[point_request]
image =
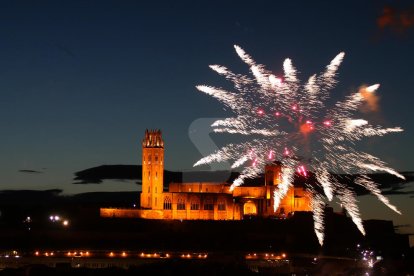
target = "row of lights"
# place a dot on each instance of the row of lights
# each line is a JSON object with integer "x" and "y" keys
{"x": 13, "y": 253}
{"x": 46, "y": 254}
{"x": 122, "y": 254}
{"x": 190, "y": 256}
{"x": 265, "y": 256}
{"x": 56, "y": 218}
{"x": 78, "y": 254}
{"x": 155, "y": 255}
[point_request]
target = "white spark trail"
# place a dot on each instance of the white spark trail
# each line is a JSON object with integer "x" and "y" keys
{"x": 291, "y": 122}
{"x": 348, "y": 200}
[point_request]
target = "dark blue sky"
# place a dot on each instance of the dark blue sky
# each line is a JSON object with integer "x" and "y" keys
{"x": 80, "y": 81}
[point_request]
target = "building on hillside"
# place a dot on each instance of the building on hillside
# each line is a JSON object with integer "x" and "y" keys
{"x": 206, "y": 200}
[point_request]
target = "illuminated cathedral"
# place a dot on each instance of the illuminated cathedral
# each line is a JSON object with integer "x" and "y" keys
{"x": 206, "y": 200}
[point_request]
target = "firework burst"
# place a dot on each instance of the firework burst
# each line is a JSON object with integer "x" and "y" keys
{"x": 282, "y": 119}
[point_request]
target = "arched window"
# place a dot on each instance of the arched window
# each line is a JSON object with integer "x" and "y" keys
{"x": 167, "y": 203}
{"x": 181, "y": 204}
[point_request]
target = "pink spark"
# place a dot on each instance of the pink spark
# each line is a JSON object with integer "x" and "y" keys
{"x": 270, "y": 155}
{"x": 254, "y": 162}
{"x": 327, "y": 123}
{"x": 260, "y": 111}
{"x": 302, "y": 171}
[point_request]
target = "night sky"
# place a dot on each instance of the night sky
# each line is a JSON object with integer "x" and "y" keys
{"x": 80, "y": 81}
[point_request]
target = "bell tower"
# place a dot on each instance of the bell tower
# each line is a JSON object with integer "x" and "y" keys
{"x": 273, "y": 177}
{"x": 273, "y": 173}
{"x": 152, "y": 170}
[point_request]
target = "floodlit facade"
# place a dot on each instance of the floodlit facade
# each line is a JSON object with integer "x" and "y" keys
{"x": 206, "y": 200}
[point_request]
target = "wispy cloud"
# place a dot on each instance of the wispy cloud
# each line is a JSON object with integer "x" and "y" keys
{"x": 29, "y": 171}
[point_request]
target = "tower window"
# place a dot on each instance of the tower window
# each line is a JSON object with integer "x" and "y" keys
{"x": 149, "y": 189}
{"x": 180, "y": 204}
{"x": 167, "y": 203}
{"x": 221, "y": 206}
{"x": 208, "y": 205}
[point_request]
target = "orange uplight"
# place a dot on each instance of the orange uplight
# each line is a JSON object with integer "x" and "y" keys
{"x": 111, "y": 254}
{"x": 37, "y": 253}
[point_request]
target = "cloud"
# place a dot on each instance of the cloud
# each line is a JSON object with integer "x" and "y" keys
{"x": 397, "y": 19}
{"x": 29, "y": 171}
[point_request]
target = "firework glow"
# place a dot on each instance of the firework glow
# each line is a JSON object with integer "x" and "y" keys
{"x": 282, "y": 119}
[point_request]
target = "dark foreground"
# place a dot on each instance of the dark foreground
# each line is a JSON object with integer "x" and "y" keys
{"x": 227, "y": 243}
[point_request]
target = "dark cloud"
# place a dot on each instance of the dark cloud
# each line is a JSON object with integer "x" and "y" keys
{"x": 98, "y": 174}
{"x": 402, "y": 225}
{"x": 30, "y": 171}
{"x": 398, "y": 192}
{"x": 389, "y": 184}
